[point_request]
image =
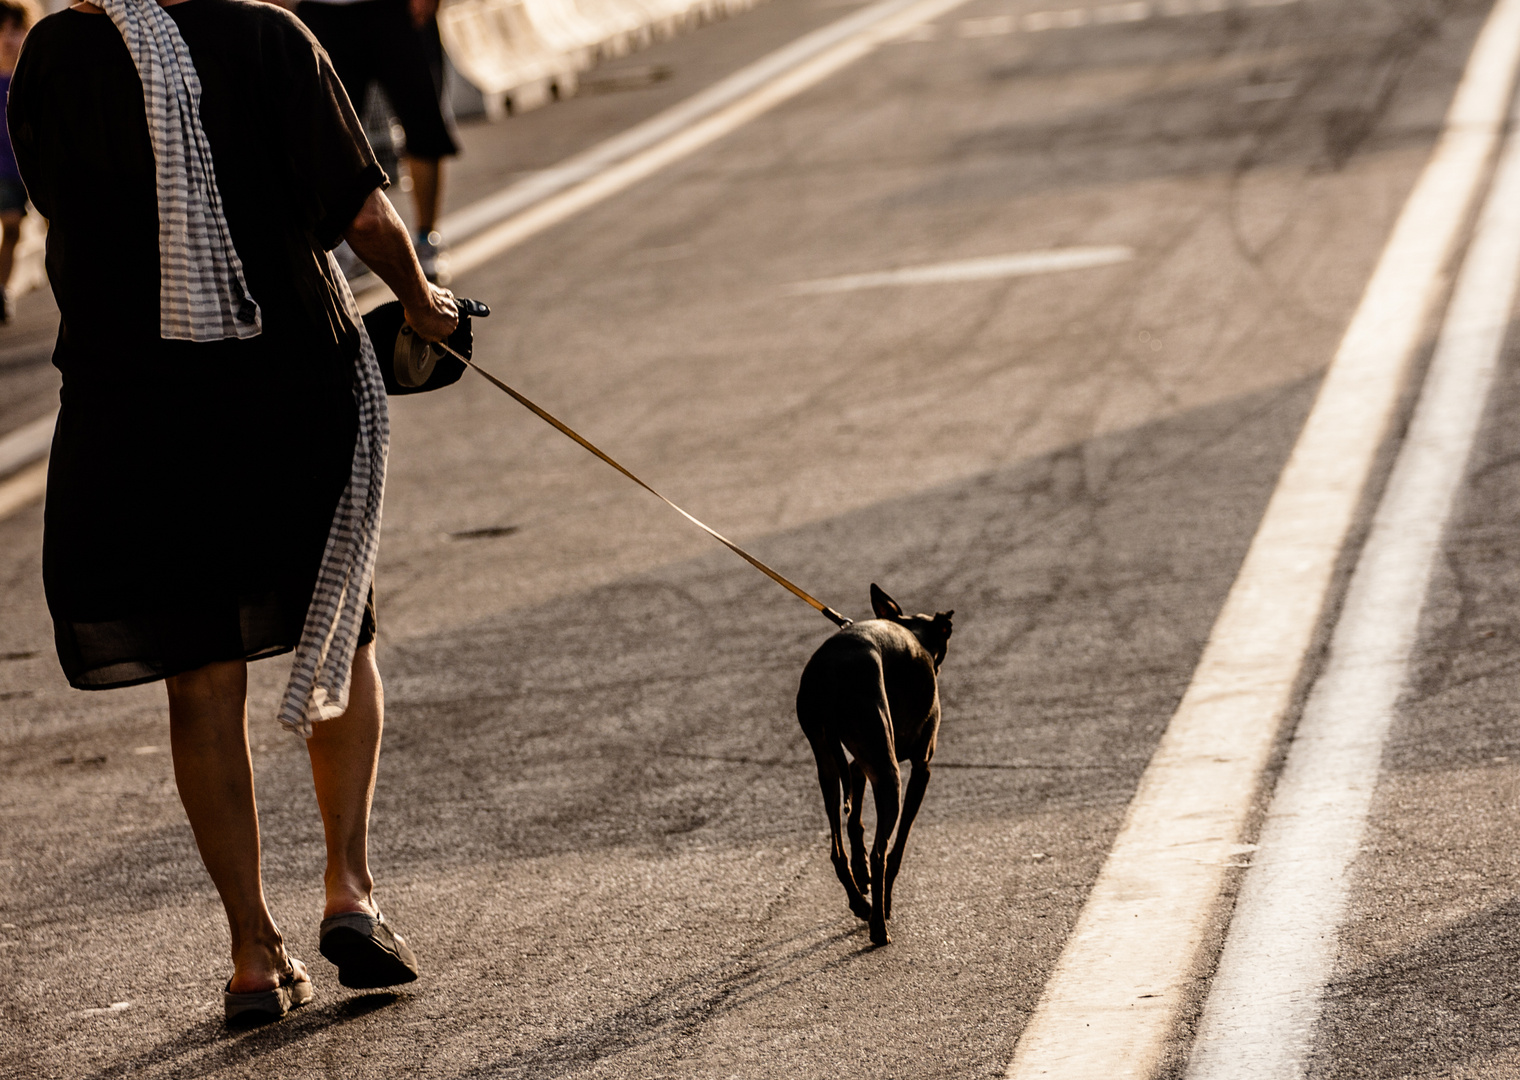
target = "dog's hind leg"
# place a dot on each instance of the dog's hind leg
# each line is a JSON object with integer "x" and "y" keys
{"x": 856, "y": 829}
{"x": 886, "y": 789}
{"x": 831, "y": 782}
{"x": 918, "y": 783}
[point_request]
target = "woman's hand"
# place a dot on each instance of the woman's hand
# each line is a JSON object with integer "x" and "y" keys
{"x": 378, "y": 236}
{"x": 436, "y": 317}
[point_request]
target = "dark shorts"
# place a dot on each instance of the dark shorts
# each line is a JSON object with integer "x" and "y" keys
{"x": 375, "y": 41}
{"x": 12, "y": 196}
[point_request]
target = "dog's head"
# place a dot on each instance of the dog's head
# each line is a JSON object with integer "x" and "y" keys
{"x": 932, "y": 631}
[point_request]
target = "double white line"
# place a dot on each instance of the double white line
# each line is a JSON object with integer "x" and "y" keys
{"x": 1117, "y": 991}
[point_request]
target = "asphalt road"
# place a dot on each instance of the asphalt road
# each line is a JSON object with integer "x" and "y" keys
{"x": 597, "y": 819}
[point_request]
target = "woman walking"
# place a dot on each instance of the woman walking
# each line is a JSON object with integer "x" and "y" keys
{"x": 215, "y": 482}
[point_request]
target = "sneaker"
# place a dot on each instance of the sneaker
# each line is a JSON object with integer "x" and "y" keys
{"x": 433, "y": 255}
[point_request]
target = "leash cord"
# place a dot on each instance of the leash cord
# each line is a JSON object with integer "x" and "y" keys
{"x": 564, "y": 429}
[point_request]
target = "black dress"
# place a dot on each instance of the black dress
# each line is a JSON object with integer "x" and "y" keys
{"x": 191, "y": 486}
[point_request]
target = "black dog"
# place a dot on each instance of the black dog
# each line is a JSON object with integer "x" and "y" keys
{"x": 872, "y": 689}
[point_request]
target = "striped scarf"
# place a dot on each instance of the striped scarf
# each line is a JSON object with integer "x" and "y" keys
{"x": 318, "y": 687}
{"x": 201, "y": 292}
{"x": 203, "y": 297}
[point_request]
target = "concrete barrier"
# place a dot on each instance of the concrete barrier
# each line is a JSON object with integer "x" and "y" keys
{"x": 524, "y": 53}
{"x": 497, "y": 48}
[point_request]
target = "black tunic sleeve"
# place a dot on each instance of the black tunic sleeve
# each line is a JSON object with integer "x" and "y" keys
{"x": 23, "y": 129}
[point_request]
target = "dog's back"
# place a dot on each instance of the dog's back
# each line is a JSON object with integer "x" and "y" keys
{"x": 870, "y": 687}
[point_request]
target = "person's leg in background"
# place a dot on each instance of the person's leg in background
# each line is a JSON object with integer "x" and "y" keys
{"x": 427, "y": 192}
{"x": 10, "y": 235}
{"x": 409, "y": 65}
{"x": 427, "y": 173}
{"x": 347, "y": 32}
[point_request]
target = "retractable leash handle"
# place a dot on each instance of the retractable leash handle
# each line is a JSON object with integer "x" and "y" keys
{"x": 564, "y": 429}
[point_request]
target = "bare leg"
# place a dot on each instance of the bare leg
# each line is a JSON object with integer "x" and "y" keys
{"x": 345, "y": 754}
{"x": 427, "y": 188}
{"x": 10, "y": 233}
{"x": 208, "y": 732}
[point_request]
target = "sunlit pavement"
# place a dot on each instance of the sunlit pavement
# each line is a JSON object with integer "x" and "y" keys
{"x": 598, "y": 822}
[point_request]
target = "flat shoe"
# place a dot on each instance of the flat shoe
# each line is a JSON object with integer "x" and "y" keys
{"x": 262, "y": 1006}
{"x": 369, "y": 954}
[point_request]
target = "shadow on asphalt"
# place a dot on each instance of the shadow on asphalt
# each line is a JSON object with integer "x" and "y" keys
{"x": 688, "y": 1005}
{"x": 1089, "y": 579}
{"x": 1448, "y": 1001}
{"x": 620, "y": 718}
{"x": 221, "y": 1046}
{"x": 651, "y": 721}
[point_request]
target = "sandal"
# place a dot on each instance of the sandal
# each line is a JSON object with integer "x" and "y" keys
{"x": 369, "y": 954}
{"x": 262, "y": 1006}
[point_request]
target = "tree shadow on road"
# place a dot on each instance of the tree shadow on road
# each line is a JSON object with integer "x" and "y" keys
{"x": 689, "y": 1005}
{"x": 1450, "y": 1000}
{"x": 210, "y": 1046}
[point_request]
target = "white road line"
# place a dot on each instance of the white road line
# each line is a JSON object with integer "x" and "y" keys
{"x": 1135, "y": 11}
{"x": 681, "y": 131}
{"x": 1259, "y": 1019}
{"x": 517, "y": 197}
{"x": 985, "y": 269}
{"x": 27, "y": 443}
{"x": 1071, "y": 18}
{"x": 990, "y": 26}
{"x": 1114, "y": 996}
{"x": 1036, "y": 21}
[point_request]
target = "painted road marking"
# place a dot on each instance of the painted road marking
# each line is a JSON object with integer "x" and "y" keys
{"x": 1115, "y": 994}
{"x": 1072, "y": 18}
{"x": 991, "y": 26}
{"x": 548, "y": 198}
{"x": 985, "y": 269}
{"x": 537, "y": 187}
{"x": 1284, "y": 931}
{"x": 1069, "y": 19}
{"x": 1136, "y": 11}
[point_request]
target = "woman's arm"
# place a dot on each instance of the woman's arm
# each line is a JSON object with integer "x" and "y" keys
{"x": 378, "y": 236}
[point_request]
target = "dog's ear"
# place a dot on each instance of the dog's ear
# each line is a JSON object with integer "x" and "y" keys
{"x": 942, "y": 621}
{"x": 884, "y": 606}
